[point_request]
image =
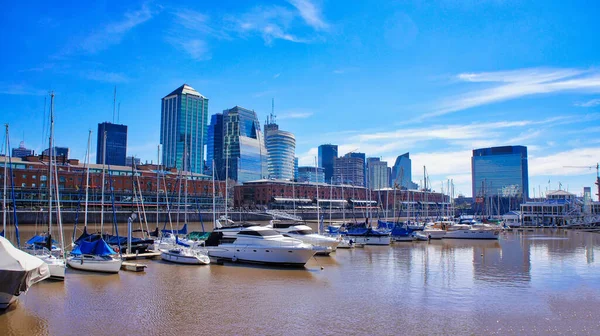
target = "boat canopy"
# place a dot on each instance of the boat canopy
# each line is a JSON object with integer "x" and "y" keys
{"x": 39, "y": 239}
{"x": 181, "y": 231}
{"x": 19, "y": 270}
{"x": 97, "y": 247}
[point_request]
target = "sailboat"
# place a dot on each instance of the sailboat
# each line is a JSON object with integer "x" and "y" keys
{"x": 92, "y": 253}
{"x": 50, "y": 253}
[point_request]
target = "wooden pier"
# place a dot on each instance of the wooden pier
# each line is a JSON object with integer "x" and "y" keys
{"x": 145, "y": 255}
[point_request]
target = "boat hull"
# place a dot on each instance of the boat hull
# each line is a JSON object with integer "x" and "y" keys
{"x": 285, "y": 256}
{"x": 6, "y": 300}
{"x": 402, "y": 238}
{"x": 434, "y": 234}
{"x": 473, "y": 234}
{"x": 93, "y": 264}
{"x": 183, "y": 259}
{"x": 57, "y": 266}
{"x": 371, "y": 240}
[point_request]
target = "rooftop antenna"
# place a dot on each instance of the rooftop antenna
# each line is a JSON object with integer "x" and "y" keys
{"x": 114, "y": 103}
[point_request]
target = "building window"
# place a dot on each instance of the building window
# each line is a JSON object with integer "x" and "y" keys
{"x": 24, "y": 176}
{"x": 43, "y": 178}
{"x": 23, "y": 185}
{"x": 34, "y": 177}
{"x": 33, "y": 185}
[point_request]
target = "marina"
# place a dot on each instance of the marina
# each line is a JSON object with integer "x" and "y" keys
{"x": 539, "y": 282}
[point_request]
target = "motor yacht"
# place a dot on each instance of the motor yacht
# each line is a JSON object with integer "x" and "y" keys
{"x": 305, "y": 234}
{"x": 256, "y": 244}
{"x": 467, "y": 231}
{"x": 185, "y": 255}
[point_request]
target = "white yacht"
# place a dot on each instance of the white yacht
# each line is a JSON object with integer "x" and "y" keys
{"x": 18, "y": 271}
{"x": 256, "y": 244}
{"x": 435, "y": 231}
{"x": 466, "y": 231}
{"x": 185, "y": 255}
{"x": 94, "y": 256}
{"x": 305, "y": 234}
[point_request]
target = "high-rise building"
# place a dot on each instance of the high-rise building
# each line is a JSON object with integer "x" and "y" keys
{"x": 349, "y": 170}
{"x": 22, "y": 152}
{"x": 58, "y": 152}
{"x": 295, "y": 168}
{"x": 116, "y": 144}
{"x": 281, "y": 148}
{"x": 131, "y": 160}
{"x": 402, "y": 173}
{"x": 500, "y": 171}
{"x": 378, "y": 176}
{"x": 362, "y": 156}
{"x": 214, "y": 147}
{"x": 311, "y": 174}
{"x": 245, "y": 153}
{"x": 183, "y": 128}
{"x": 327, "y": 155}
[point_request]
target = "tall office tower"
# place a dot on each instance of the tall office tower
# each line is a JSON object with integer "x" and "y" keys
{"x": 214, "y": 147}
{"x": 281, "y": 148}
{"x": 362, "y": 156}
{"x": 245, "y": 153}
{"x": 116, "y": 144}
{"x": 402, "y": 173}
{"x": 183, "y": 128}
{"x": 327, "y": 155}
{"x": 349, "y": 170}
{"x": 500, "y": 171}
{"x": 311, "y": 174}
{"x": 378, "y": 177}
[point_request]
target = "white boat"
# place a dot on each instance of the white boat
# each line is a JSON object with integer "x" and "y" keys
{"x": 420, "y": 236}
{"x": 18, "y": 271}
{"x": 256, "y": 244}
{"x": 369, "y": 236}
{"x": 57, "y": 266}
{"x": 185, "y": 255}
{"x": 95, "y": 263}
{"x": 466, "y": 231}
{"x": 435, "y": 231}
{"x": 94, "y": 256}
{"x": 305, "y": 234}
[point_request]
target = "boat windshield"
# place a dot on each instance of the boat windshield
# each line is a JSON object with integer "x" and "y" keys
{"x": 264, "y": 233}
{"x": 301, "y": 232}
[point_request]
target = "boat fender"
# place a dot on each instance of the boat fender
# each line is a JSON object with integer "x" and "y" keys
{"x": 234, "y": 258}
{"x": 82, "y": 260}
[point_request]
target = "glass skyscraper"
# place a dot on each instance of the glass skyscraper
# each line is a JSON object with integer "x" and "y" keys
{"x": 402, "y": 173}
{"x": 378, "y": 176}
{"x": 245, "y": 153}
{"x": 116, "y": 144}
{"x": 327, "y": 155}
{"x": 500, "y": 171}
{"x": 281, "y": 148}
{"x": 311, "y": 174}
{"x": 214, "y": 146}
{"x": 183, "y": 126}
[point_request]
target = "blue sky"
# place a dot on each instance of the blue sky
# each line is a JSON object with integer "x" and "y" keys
{"x": 436, "y": 78}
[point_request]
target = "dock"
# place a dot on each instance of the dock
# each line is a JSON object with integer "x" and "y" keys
{"x": 145, "y": 255}
{"x": 132, "y": 267}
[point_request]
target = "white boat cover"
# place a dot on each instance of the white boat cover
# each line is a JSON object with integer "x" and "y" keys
{"x": 19, "y": 270}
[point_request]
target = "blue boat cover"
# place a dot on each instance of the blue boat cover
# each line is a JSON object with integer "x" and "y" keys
{"x": 366, "y": 232}
{"x": 97, "y": 247}
{"x": 39, "y": 239}
{"x": 181, "y": 231}
{"x": 401, "y": 230}
{"x": 2, "y": 233}
{"x": 180, "y": 242}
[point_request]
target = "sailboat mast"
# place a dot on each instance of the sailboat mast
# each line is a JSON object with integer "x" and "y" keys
{"x": 317, "y": 182}
{"x": 213, "y": 194}
{"x": 50, "y": 177}
{"x": 226, "y": 177}
{"x": 102, "y": 193}
{"x": 4, "y": 182}
{"x": 157, "y": 181}
{"x": 87, "y": 179}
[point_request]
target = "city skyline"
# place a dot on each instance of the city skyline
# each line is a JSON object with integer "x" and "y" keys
{"x": 436, "y": 93}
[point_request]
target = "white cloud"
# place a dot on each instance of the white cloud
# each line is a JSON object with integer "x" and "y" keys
{"x": 114, "y": 32}
{"x": 519, "y": 83}
{"x": 102, "y": 76}
{"x": 310, "y": 13}
{"x": 20, "y": 89}
{"x": 589, "y": 103}
{"x": 556, "y": 164}
{"x": 276, "y": 75}
{"x": 295, "y": 115}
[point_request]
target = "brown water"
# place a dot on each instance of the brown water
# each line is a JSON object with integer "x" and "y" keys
{"x": 534, "y": 283}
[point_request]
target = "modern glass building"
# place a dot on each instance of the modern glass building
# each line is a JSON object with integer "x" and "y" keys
{"x": 281, "y": 148}
{"x": 327, "y": 155}
{"x": 22, "y": 151}
{"x": 500, "y": 171}
{"x": 61, "y": 152}
{"x": 296, "y": 168}
{"x": 377, "y": 171}
{"x": 402, "y": 173}
{"x": 116, "y": 144}
{"x": 214, "y": 147}
{"x": 245, "y": 153}
{"x": 183, "y": 128}
{"x": 311, "y": 174}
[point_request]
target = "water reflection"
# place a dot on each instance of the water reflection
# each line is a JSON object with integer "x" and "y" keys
{"x": 526, "y": 283}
